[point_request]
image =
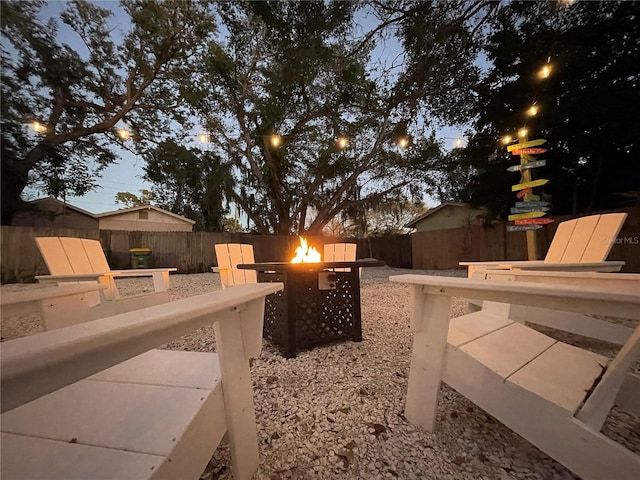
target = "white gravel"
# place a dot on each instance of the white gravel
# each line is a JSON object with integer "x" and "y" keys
{"x": 336, "y": 411}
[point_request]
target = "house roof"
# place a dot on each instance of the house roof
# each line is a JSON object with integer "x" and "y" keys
{"x": 414, "y": 222}
{"x": 62, "y": 204}
{"x": 144, "y": 207}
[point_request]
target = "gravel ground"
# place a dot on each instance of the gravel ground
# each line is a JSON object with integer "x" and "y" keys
{"x": 336, "y": 411}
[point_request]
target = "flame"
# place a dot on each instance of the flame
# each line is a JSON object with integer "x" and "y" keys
{"x": 306, "y": 254}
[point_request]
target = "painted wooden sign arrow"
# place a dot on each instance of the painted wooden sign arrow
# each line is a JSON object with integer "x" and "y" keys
{"x": 531, "y": 184}
{"x": 530, "y": 143}
{"x": 534, "y": 221}
{"x": 520, "y": 216}
{"x": 526, "y": 166}
{"x": 529, "y": 209}
{"x": 533, "y": 204}
{"x": 521, "y": 228}
{"x": 529, "y": 151}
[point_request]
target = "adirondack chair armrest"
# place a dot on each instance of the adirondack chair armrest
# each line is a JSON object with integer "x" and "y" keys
{"x": 140, "y": 272}
{"x": 558, "y": 297}
{"x": 609, "y": 266}
{"x": 73, "y": 277}
{"x": 39, "y": 364}
{"x": 160, "y": 276}
{"x": 31, "y": 301}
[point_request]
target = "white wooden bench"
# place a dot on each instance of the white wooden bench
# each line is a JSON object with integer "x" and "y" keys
{"x": 554, "y": 395}
{"x": 94, "y": 400}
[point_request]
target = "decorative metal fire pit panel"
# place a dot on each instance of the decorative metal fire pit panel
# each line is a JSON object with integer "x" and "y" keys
{"x": 305, "y": 314}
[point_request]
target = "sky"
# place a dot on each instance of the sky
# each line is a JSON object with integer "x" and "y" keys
{"x": 126, "y": 175}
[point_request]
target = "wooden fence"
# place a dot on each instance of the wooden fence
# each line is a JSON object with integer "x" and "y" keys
{"x": 190, "y": 252}
{"x": 193, "y": 252}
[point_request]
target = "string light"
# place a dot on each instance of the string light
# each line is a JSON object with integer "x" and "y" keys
{"x": 343, "y": 142}
{"x": 276, "y": 140}
{"x": 124, "y": 134}
{"x": 507, "y": 139}
{"x": 523, "y": 132}
{"x": 545, "y": 71}
{"x": 532, "y": 111}
{"x": 458, "y": 143}
{"x": 203, "y": 137}
{"x": 38, "y": 127}
{"x": 403, "y": 142}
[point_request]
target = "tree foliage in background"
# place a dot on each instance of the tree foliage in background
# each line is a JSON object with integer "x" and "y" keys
{"x": 588, "y": 106}
{"x": 190, "y": 182}
{"x": 298, "y": 69}
{"x": 130, "y": 200}
{"x": 81, "y": 98}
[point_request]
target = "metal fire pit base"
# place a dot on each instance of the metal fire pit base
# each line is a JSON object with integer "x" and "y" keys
{"x": 316, "y": 307}
{"x": 303, "y": 316}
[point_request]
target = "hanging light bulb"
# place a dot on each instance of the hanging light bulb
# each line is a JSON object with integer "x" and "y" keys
{"x": 545, "y": 71}
{"x": 276, "y": 140}
{"x": 532, "y": 111}
{"x": 403, "y": 142}
{"x": 522, "y": 133}
{"x": 124, "y": 134}
{"x": 507, "y": 139}
{"x": 38, "y": 127}
{"x": 458, "y": 143}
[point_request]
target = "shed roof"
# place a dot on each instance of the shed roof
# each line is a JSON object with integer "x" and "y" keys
{"x": 145, "y": 207}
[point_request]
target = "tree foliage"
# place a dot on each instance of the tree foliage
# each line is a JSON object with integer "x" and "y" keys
{"x": 79, "y": 98}
{"x": 587, "y": 105}
{"x": 130, "y": 200}
{"x": 190, "y": 182}
{"x": 298, "y": 69}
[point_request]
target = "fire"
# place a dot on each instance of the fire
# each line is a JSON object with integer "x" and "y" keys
{"x": 306, "y": 254}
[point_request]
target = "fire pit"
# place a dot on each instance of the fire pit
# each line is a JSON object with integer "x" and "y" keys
{"x": 320, "y": 302}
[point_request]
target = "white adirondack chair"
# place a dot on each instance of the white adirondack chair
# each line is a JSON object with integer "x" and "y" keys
{"x": 229, "y": 255}
{"x": 94, "y": 401}
{"x": 340, "y": 252}
{"x": 581, "y": 244}
{"x": 79, "y": 259}
{"x": 554, "y": 395}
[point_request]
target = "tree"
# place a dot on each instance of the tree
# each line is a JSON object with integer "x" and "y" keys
{"x": 295, "y": 69}
{"x": 130, "y": 200}
{"x": 76, "y": 102}
{"x": 190, "y": 182}
{"x": 587, "y": 105}
{"x": 391, "y": 218}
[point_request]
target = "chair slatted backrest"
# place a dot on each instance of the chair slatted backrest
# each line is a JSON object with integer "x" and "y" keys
{"x": 340, "y": 252}
{"x": 54, "y": 256}
{"x": 603, "y": 237}
{"x": 586, "y": 239}
{"x": 560, "y": 241}
{"x": 580, "y": 239}
{"x": 77, "y": 256}
{"x": 95, "y": 254}
{"x": 231, "y": 254}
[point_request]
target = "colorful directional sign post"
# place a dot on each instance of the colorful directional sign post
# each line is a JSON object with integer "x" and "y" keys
{"x": 527, "y": 213}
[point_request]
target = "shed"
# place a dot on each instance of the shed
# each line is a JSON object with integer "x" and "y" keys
{"x": 145, "y": 218}
{"x": 448, "y": 215}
